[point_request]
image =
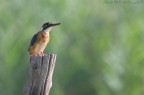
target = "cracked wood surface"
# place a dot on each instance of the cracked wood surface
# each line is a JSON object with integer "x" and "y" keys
{"x": 39, "y": 80}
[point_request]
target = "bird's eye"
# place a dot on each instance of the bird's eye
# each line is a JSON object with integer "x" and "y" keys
{"x": 45, "y": 25}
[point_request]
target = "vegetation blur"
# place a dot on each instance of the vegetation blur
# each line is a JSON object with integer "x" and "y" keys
{"x": 99, "y": 45}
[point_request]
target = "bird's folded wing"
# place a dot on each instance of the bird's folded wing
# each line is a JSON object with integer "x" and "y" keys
{"x": 33, "y": 40}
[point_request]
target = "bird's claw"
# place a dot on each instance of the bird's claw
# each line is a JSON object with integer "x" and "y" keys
{"x": 39, "y": 54}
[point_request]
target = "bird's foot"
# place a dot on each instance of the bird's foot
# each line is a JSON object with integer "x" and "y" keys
{"x": 38, "y": 54}
{"x": 42, "y": 54}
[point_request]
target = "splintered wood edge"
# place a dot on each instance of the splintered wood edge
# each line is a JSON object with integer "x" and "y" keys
{"x": 48, "y": 84}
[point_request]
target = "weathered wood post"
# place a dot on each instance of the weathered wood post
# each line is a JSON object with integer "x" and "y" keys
{"x": 40, "y": 75}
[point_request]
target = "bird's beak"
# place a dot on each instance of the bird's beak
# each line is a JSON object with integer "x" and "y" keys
{"x": 54, "y": 24}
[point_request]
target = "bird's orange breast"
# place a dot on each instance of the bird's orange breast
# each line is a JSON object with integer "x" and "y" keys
{"x": 40, "y": 44}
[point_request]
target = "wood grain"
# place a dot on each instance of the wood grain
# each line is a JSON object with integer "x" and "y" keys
{"x": 39, "y": 80}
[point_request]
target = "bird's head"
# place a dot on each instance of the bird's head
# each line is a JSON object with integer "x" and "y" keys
{"x": 48, "y": 26}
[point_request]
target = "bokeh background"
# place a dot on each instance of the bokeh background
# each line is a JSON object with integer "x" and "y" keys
{"x": 99, "y": 45}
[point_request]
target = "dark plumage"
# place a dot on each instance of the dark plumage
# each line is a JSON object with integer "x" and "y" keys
{"x": 46, "y": 25}
{"x": 33, "y": 40}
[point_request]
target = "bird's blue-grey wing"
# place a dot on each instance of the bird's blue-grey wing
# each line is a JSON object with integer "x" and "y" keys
{"x": 33, "y": 40}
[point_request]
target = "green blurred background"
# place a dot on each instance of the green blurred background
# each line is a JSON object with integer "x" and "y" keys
{"x": 99, "y": 46}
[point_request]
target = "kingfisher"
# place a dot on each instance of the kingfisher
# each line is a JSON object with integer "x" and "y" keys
{"x": 40, "y": 40}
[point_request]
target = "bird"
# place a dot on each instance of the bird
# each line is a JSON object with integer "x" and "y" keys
{"x": 40, "y": 40}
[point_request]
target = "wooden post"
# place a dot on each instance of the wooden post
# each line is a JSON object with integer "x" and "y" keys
{"x": 40, "y": 75}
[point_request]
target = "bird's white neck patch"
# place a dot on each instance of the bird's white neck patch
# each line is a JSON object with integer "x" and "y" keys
{"x": 48, "y": 29}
